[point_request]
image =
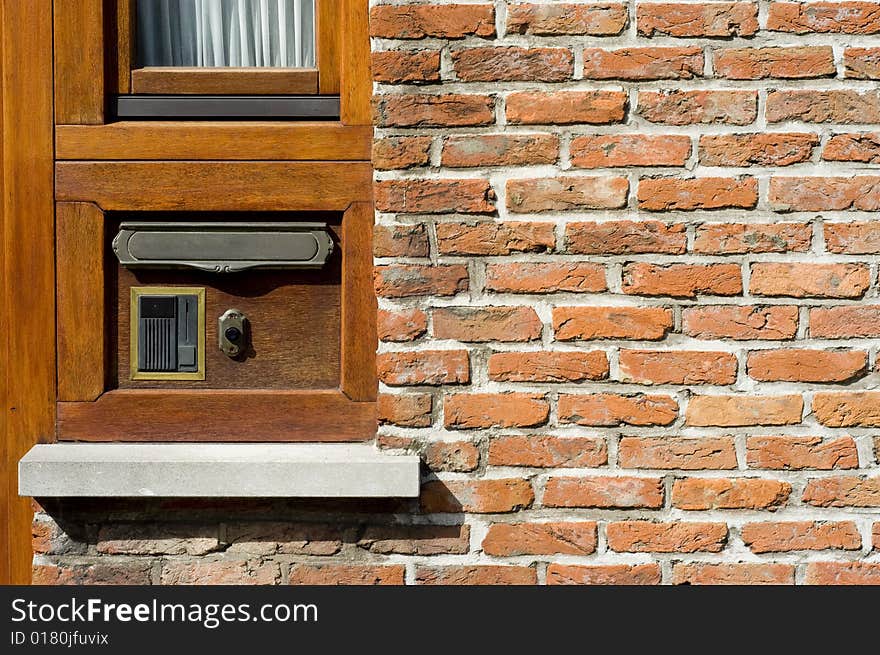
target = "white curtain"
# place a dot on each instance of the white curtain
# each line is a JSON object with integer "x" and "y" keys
{"x": 278, "y": 33}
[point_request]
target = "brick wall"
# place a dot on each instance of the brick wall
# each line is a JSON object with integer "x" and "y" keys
{"x": 628, "y": 303}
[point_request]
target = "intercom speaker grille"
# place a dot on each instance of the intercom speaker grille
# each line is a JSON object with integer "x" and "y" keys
{"x": 159, "y": 344}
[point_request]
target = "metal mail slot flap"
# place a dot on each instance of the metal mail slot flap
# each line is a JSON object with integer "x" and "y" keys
{"x": 222, "y": 247}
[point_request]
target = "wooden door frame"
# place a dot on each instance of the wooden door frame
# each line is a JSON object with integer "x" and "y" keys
{"x": 27, "y": 273}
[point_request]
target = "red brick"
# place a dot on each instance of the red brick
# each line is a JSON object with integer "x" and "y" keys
{"x": 756, "y": 149}
{"x": 452, "y": 456}
{"x": 614, "y": 574}
{"x": 478, "y": 496}
{"x": 404, "y": 280}
{"x": 607, "y": 19}
{"x": 845, "y": 322}
{"x": 511, "y": 64}
{"x": 807, "y": 365}
{"x": 625, "y": 237}
{"x": 446, "y": 21}
{"x": 849, "y": 409}
{"x": 875, "y": 536}
{"x": 673, "y": 194}
{"x": 219, "y": 572}
{"x": 565, "y": 107}
{"x": 500, "y": 150}
{"x": 403, "y": 325}
{"x": 606, "y": 492}
{"x": 798, "y": 453}
{"x": 429, "y": 367}
{"x": 566, "y": 193}
{"x": 406, "y": 66}
{"x": 476, "y": 575}
{"x": 400, "y": 240}
{"x": 843, "y": 573}
{"x": 801, "y": 535}
{"x": 416, "y": 539}
{"x": 736, "y": 411}
{"x": 695, "y": 107}
{"x": 863, "y": 147}
{"x": 676, "y": 453}
{"x": 862, "y": 63}
{"x": 680, "y": 537}
{"x": 725, "y": 493}
{"x": 608, "y": 409}
{"x": 345, "y": 574}
{"x": 681, "y": 63}
{"x": 843, "y": 491}
{"x": 740, "y": 322}
{"x": 544, "y": 366}
{"x": 103, "y": 572}
{"x": 610, "y": 150}
{"x": 482, "y": 324}
{"x": 682, "y": 280}
{"x": 265, "y": 538}
{"x": 742, "y": 238}
{"x": 852, "y": 238}
{"x": 811, "y": 194}
{"x": 739, "y": 573}
{"x": 423, "y": 110}
{"x": 152, "y": 539}
{"x": 486, "y": 410}
{"x": 677, "y": 367}
{"x": 535, "y": 277}
{"x": 824, "y": 17}
{"x": 493, "y": 238}
{"x": 435, "y": 196}
{"x": 705, "y": 19}
{"x": 786, "y": 63}
{"x": 584, "y": 323}
{"x": 809, "y": 280}
{"x": 510, "y": 539}
{"x": 401, "y": 152}
{"x": 813, "y": 106}
{"x": 548, "y": 452}
{"x": 411, "y": 410}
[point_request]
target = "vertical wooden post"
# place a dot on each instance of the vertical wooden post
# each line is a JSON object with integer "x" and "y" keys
{"x": 27, "y": 339}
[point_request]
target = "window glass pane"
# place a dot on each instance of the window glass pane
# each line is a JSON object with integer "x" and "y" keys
{"x": 278, "y": 33}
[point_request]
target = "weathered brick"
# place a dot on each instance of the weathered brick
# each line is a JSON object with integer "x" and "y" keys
{"x": 807, "y": 365}
{"x": 797, "y": 453}
{"x": 404, "y": 280}
{"x": 847, "y": 409}
{"x": 157, "y": 539}
{"x": 478, "y": 496}
{"x": 760, "y": 149}
{"x": 476, "y": 575}
{"x": 605, "y": 492}
{"x": 682, "y": 280}
{"x": 427, "y": 367}
{"x": 726, "y": 493}
{"x": 673, "y": 194}
{"x": 677, "y": 367}
{"x": 403, "y": 325}
{"x": 445, "y": 21}
{"x": 861, "y": 321}
{"x": 812, "y": 194}
{"x": 786, "y": 63}
{"x": 544, "y": 366}
{"x": 843, "y": 491}
{"x": 400, "y": 240}
{"x": 704, "y": 19}
{"x": 824, "y": 17}
{"x": 695, "y": 107}
{"x": 843, "y": 573}
{"x": 566, "y": 193}
{"x": 676, "y": 453}
{"x": 493, "y": 238}
{"x": 512, "y": 63}
{"x": 482, "y": 324}
{"x": 435, "y": 196}
{"x": 452, "y": 456}
{"x": 742, "y": 238}
{"x": 499, "y": 150}
{"x": 624, "y": 237}
{"x": 548, "y": 452}
{"x": 606, "y": 19}
{"x": 734, "y": 411}
{"x": 609, "y": 574}
{"x": 405, "y": 66}
{"x": 812, "y": 106}
{"x": 410, "y": 410}
{"x": 117, "y": 571}
{"x": 809, "y": 280}
{"x": 423, "y": 110}
{"x": 565, "y": 107}
{"x": 732, "y": 573}
{"x": 401, "y": 152}
{"x": 862, "y": 63}
{"x": 608, "y": 409}
{"x": 773, "y": 537}
{"x": 416, "y": 539}
{"x": 643, "y": 63}
{"x": 862, "y": 147}
{"x": 852, "y": 238}
{"x": 612, "y": 150}
{"x": 219, "y": 572}
{"x": 540, "y": 277}
{"x": 486, "y": 410}
{"x": 265, "y": 538}
{"x": 346, "y": 574}
{"x": 584, "y": 323}
{"x": 680, "y": 537}
{"x": 510, "y": 539}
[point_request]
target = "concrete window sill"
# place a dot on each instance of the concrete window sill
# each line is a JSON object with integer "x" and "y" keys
{"x": 216, "y": 470}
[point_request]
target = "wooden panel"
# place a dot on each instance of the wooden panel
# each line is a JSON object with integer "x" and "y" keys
{"x": 79, "y": 261}
{"x": 359, "y": 338}
{"x": 192, "y": 140}
{"x": 224, "y": 81}
{"x": 327, "y": 22}
{"x": 214, "y": 186}
{"x": 79, "y": 61}
{"x": 28, "y": 261}
{"x": 357, "y": 84}
{"x": 217, "y": 416}
{"x": 125, "y": 44}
